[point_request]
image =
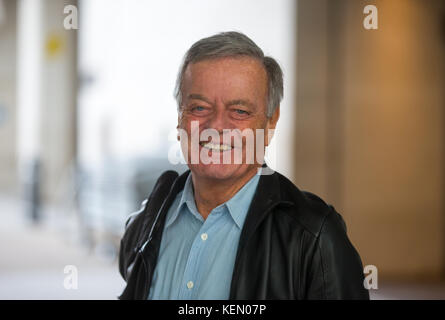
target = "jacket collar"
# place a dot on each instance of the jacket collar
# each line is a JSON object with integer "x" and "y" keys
{"x": 236, "y": 207}
{"x": 268, "y": 194}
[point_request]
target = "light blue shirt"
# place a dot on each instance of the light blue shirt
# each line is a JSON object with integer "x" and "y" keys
{"x": 196, "y": 257}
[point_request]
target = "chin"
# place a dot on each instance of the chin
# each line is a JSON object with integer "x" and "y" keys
{"x": 219, "y": 171}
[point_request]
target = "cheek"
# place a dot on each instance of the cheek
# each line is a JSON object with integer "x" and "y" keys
{"x": 256, "y": 124}
{"x": 184, "y": 122}
{"x": 260, "y": 131}
{"x": 190, "y": 127}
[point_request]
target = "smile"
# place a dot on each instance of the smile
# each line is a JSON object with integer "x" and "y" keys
{"x": 216, "y": 147}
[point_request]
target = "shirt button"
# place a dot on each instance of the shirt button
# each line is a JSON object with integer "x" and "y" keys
{"x": 204, "y": 236}
{"x": 190, "y": 284}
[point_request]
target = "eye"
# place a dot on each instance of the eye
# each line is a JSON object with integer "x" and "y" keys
{"x": 199, "y": 110}
{"x": 240, "y": 114}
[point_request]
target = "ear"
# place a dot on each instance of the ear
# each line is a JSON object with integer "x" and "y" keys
{"x": 271, "y": 124}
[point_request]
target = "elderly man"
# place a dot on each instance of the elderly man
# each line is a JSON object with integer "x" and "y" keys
{"x": 228, "y": 228}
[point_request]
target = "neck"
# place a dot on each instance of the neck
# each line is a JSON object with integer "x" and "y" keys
{"x": 210, "y": 193}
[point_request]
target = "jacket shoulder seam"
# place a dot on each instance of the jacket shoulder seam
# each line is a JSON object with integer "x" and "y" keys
{"x": 314, "y": 233}
{"x": 322, "y": 260}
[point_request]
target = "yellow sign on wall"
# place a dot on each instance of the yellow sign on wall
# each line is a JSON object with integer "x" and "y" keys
{"x": 54, "y": 45}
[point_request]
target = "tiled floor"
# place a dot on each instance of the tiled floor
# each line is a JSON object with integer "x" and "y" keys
{"x": 33, "y": 260}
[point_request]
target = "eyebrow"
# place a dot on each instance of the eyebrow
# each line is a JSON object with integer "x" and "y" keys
{"x": 242, "y": 102}
{"x": 197, "y": 96}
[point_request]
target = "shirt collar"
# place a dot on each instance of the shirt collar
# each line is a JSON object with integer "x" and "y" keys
{"x": 187, "y": 198}
{"x": 237, "y": 206}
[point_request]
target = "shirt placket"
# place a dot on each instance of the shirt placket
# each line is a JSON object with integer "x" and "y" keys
{"x": 196, "y": 261}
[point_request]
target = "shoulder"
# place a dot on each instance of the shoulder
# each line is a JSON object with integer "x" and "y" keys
{"x": 335, "y": 268}
{"x": 161, "y": 187}
{"x": 138, "y": 222}
{"x": 309, "y": 210}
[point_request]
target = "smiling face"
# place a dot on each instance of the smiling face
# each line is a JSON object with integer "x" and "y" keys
{"x": 220, "y": 94}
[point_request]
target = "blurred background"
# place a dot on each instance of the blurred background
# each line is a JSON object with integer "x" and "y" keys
{"x": 88, "y": 118}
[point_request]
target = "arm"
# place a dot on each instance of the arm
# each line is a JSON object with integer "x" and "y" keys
{"x": 336, "y": 271}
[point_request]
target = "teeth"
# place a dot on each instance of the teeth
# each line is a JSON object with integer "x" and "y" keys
{"x": 214, "y": 146}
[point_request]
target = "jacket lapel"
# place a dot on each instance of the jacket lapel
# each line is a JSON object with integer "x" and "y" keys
{"x": 267, "y": 196}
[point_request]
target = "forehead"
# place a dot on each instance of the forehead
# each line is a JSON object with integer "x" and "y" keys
{"x": 232, "y": 76}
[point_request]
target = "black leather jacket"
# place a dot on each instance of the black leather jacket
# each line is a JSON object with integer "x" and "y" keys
{"x": 292, "y": 246}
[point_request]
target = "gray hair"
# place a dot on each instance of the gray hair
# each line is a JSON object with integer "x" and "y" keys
{"x": 230, "y": 44}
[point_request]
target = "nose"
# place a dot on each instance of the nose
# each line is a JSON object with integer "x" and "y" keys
{"x": 218, "y": 120}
